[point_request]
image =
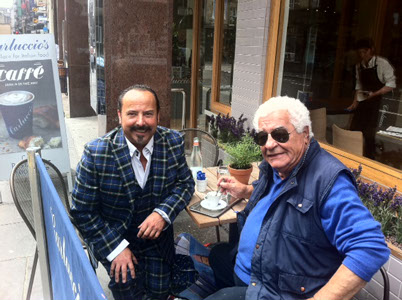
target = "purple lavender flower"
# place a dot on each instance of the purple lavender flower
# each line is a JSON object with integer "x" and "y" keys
{"x": 356, "y": 172}
{"x": 226, "y": 128}
{"x": 396, "y": 203}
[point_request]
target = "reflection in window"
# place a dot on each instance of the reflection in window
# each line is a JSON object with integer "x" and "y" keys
{"x": 96, "y": 60}
{"x": 206, "y": 56}
{"x": 320, "y": 65}
{"x": 227, "y": 61}
{"x": 182, "y": 52}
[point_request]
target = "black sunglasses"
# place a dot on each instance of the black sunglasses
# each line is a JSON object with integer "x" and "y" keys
{"x": 281, "y": 135}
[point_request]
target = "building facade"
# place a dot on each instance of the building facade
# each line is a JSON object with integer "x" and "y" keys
{"x": 228, "y": 56}
{"x": 209, "y": 57}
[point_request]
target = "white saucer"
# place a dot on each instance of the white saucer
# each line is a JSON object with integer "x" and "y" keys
{"x": 207, "y": 205}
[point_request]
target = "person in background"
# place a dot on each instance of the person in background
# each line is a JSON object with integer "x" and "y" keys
{"x": 374, "y": 78}
{"x": 304, "y": 233}
{"x": 130, "y": 186}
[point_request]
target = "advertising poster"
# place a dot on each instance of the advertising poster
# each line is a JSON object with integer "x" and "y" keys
{"x": 31, "y": 112}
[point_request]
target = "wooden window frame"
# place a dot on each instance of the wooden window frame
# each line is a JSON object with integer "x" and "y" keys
{"x": 216, "y": 106}
{"x": 372, "y": 170}
{"x": 195, "y": 62}
{"x": 275, "y": 33}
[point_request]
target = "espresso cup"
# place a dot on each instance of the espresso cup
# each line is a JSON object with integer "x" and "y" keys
{"x": 213, "y": 199}
{"x": 17, "y": 110}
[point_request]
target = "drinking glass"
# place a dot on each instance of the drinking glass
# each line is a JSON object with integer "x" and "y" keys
{"x": 222, "y": 171}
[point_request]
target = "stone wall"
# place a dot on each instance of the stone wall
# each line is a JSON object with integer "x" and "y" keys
{"x": 138, "y": 49}
{"x": 76, "y": 54}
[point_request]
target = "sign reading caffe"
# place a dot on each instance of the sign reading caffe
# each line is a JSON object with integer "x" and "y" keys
{"x": 31, "y": 113}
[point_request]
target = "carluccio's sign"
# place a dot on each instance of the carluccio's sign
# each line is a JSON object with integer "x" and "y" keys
{"x": 31, "y": 112}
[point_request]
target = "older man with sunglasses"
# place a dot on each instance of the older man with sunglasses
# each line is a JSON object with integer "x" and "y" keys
{"x": 304, "y": 232}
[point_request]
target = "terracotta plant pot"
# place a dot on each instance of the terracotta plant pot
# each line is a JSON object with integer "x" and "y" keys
{"x": 242, "y": 175}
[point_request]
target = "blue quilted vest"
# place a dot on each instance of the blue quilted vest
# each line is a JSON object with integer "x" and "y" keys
{"x": 293, "y": 258}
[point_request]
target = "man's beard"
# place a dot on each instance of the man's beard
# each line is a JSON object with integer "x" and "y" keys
{"x": 141, "y": 129}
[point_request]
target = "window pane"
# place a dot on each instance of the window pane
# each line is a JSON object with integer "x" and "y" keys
{"x": 182, "y": 51}
{"x": 323, "y": 69}
{"x": 228, "y": 51}
{"x": 206, "y": 55}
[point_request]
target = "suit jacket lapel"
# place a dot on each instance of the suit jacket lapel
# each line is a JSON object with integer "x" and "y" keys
{"x": 159, "y": 162}
{"x": 123, "y": 161}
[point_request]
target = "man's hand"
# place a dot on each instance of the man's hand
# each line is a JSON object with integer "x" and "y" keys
{"x": 152, "y": 227}
{"x": 125, "y": 260}
{"x": 353, "y": 106}
{"x": 237, "y": 189}
{"x": 355, "y": 103}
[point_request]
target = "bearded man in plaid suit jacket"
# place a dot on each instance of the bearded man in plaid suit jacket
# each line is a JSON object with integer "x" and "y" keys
{"x": 130, "y": 186}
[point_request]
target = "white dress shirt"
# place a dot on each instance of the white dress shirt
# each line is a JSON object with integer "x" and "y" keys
{"x": 140, "y": 174}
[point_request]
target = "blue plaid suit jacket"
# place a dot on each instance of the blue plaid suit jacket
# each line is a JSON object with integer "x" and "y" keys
{"x": 104, "y": 196}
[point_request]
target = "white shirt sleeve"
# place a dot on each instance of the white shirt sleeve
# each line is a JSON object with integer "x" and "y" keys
{"x": 123, "y": 245}
{"x": 386, "y": 72}
{"x": 358, "y": 84}
{"x": 164, "y": 216}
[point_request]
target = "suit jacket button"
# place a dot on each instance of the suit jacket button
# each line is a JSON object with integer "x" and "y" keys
{"x": 299, "y": 205}
{"x": 302, "y": 289}
{"x": 253, "y": 284}
{"x": 257, "y": 246}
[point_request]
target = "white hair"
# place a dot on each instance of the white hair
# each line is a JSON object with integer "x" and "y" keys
{"x": 298, "y": 112}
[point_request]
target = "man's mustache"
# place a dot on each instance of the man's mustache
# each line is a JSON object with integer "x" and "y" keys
{"x": 142, "y": 128}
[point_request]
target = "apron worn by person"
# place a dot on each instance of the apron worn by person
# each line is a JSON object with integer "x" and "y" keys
{"x": 366, "y": 115}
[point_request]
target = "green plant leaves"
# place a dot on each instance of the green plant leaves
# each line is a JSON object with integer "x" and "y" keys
{"x": 243, "y": 153}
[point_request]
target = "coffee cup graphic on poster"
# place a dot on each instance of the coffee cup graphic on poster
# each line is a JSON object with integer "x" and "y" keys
{"x": 17, "y": 110}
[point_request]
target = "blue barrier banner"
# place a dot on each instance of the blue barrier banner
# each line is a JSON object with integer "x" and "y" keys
{"x": 72, "y": 275}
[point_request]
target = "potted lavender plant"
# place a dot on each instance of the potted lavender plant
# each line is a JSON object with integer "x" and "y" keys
{"x": 237, "y": 142}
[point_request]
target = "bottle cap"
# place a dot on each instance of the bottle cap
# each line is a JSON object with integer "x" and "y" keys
{"x": 201, "y": 175}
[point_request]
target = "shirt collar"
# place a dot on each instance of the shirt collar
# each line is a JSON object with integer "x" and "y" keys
{"x": 370, "y": 63}
{"x": 149, "y": 148}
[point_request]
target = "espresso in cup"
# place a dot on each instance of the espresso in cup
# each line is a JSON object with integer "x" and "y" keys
{"x": 17, "y": 108}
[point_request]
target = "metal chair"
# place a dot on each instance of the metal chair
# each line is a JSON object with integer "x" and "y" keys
{"x": 208, "y": 146}
{"x": 21, "y": 193}
{"x": 386, "y": 283}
